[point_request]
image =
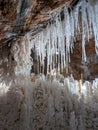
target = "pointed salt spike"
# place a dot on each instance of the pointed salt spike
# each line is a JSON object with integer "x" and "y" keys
{"x": 76, "y": 18}
{"x": 72, "y": 24}
{"x": 85, "y": 29}
{"x": 84, "y": 19}
{"x": 90, "y": 17}
{"x": 67, "y": 33}
{"x": 83, "y": 50}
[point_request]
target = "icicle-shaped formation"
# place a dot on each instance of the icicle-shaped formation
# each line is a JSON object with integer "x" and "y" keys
{"x": 57, "y": 40}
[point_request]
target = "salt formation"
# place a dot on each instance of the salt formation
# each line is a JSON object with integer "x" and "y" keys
{"x": 46, "y": 105}
{"x": 22, "y": 56}
{"x": 56, "y": 42}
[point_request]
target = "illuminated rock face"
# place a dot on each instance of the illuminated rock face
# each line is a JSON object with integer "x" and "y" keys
{"x": 46, "y": 105}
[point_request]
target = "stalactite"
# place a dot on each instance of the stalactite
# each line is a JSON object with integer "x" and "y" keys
{"x": 60, "y": 35}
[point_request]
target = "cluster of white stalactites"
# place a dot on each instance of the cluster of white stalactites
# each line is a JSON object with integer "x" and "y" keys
{"x": 56, "y": 42}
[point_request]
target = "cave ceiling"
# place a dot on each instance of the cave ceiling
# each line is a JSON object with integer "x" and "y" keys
{"x": 38, "y": 12}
